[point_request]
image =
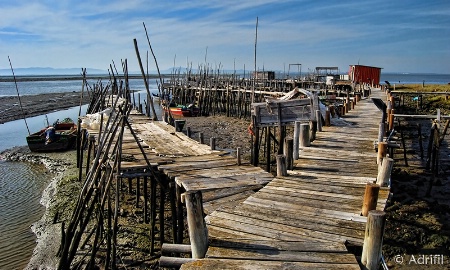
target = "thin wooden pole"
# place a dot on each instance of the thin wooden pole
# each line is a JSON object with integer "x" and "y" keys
{"x": 18, "y": 96}
{"x": 296, "y": 139}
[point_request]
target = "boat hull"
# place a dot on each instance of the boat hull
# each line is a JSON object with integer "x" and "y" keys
{"x": 64, "y": 139}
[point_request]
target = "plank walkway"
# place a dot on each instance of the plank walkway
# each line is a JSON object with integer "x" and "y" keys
{"x": 257, "y": 221}
{"x": 306, "y": 219}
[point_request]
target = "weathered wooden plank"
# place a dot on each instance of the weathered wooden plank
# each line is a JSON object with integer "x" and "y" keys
{"x": 316, "y": 226}
{"x": 300, "y": 217}
{"x": 216, "y": 193}
{"x": 229, "y": 201}
{"x": 280, "y": 255}
{"x": 224, "y": 234}
{"x": 305, "y": 210}
{"x": 263, "y": 264}
{"x": 253, "y": 227}
{"x": 281, "y": 227}
{"x": 278, "y": 245}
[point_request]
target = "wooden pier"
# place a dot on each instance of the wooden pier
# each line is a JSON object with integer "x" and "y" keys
{"x": 310, "y": 218}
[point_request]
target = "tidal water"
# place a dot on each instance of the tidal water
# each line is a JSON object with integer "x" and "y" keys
{"x": 21, "y": 183}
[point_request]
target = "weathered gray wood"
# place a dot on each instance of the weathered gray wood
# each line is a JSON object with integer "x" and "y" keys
{"x": 304, "y": 135}
{"x": 198, "y": 233}
{"x": 281, "y": 165}
{"x": 175, "y": 248}
{"x": 296, "y": 139}
{"x": 263, "y": 264}
{"x": 384, "y": 173}
{"x": 173, "y": 262}
{"x": 267, "y": 114}
{"x": 373, "y": 241}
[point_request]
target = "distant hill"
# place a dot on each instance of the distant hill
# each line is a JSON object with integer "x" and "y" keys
{"x": 49, "y": 71}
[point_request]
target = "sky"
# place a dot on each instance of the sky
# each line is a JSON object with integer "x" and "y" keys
{"x": 398, "y": 36}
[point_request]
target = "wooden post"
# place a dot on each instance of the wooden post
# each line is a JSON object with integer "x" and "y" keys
{"x": 188, "y": 132}
{"x": 381, "y": 132}
{"x": 313, "y": 130}
{"x": 200, "y": 137}
{"x": 391, "y": 119}
{"x": 319, "y": 120}
{"x": 373, "y": 240}
{"x": 296, "y": 140}
{"x": 281, "y": 165}
{"x": 212, "y": 143}
{"x": 384, "y": 171}
{"x": 238, "y": 156}
{"x": 198, "y": 233}
{"x": 304, "y": 141}
{"x": 268, "y": 151}
{"x": 328, "y": 117}
{"x": 288, "y": 152}
{"x": 382, "y": 151}
{"x": 370, "y": 198}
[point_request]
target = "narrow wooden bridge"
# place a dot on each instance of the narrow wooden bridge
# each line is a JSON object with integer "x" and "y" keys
{"x": 309, "y": 219}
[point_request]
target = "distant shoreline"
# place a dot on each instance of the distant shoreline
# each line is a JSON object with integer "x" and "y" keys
{"x": 32, "y": 78}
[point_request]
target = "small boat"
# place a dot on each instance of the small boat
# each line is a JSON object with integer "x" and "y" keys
{"x": 58, "y": 137}
{"x": 182, "y": 110}
{"x": 155, "y": 97}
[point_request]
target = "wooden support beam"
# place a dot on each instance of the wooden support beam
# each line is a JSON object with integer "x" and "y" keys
{"x": 198, "y": 233}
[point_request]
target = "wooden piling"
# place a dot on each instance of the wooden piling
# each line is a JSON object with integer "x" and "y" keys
{"x": 370, "y": 198}
{"x": 200, "y": 138}
{"x": 296, "y": 140}
{"x": 212, "y": 143}
{"x": 319, "y": 120}
{"x": 384, "y": 171}
{"x": 382, "y": 151}
{"x": 281, "y": 165}
{"x": 198, "y": 233}
{"x": 305, "y": 140}
{"x": 328, "y": 117}
{"x": 288, "y": 152}
{"x": 373, "y": 240}
{"x": 239, "y": 156}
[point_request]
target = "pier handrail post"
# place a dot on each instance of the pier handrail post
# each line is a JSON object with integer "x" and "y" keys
{"x": 384, "y": 171}
{"x": 382, "y": 151}
{"x": 198, "y": 233}
{"x": 288, "y": 152}
{"x": 370, "y": 198}
{"x": 238, "y": 156}
{"x": 328, "y": 117}
{"x": 313, "y": 130}
{"x": 305, "y": 140}
{"x": 319, "y": 120}
{"x": 296, "y": 139}
{"x": 212, "y": 143}
{"x": 281, "y": 165}
{"x": 373, "y": 240}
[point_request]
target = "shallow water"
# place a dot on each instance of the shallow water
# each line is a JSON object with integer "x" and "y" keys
{"x": 21, "y": 187}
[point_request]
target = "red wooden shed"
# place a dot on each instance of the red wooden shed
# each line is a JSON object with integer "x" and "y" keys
{"x": 364, "y": 74}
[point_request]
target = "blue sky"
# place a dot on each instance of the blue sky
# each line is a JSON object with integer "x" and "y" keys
{"x": 399, "y": 36}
